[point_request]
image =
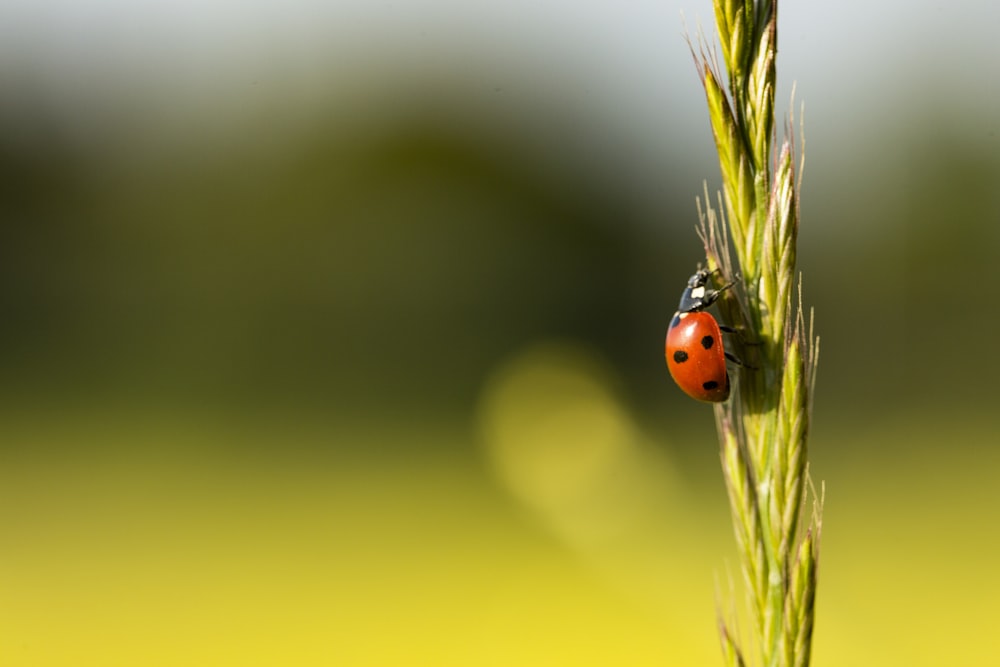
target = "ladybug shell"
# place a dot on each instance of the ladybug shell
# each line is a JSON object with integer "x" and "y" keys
{"x": 696, "y": 358}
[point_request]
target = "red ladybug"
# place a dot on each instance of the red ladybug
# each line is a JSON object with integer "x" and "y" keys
{"x": 695, "y": 354}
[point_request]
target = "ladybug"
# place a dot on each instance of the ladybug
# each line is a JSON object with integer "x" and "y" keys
{"x": 695, "y": 354}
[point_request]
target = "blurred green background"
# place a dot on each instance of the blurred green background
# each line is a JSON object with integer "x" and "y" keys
{"x": 332, "y": 333}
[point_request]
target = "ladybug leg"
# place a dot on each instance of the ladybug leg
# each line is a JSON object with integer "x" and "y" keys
{"x": 739, "y": 334}
{"x": 739, "y": 362}
{"x": 712, "y": 297}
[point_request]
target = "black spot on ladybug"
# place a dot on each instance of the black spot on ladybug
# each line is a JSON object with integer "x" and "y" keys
{"x": 677, "y": 320}
{"x": 707, "y": 342}
{"x": 680, "y": 356}
{"x": 711, "y": 384}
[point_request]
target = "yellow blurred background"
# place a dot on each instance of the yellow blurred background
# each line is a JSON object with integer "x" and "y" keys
{"x": 332, "y": 333}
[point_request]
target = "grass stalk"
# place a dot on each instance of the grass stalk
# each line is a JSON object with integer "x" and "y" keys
{"x": 751, "y": 235}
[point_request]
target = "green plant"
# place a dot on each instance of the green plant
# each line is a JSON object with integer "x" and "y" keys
{"x": 763, "y": 428}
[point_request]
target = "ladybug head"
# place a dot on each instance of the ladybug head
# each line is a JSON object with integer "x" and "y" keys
{"x": 700, "y": 279}
{"x": 697, "y": 296}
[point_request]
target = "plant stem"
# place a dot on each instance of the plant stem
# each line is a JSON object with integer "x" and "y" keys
{"x": 763, "y": 429}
